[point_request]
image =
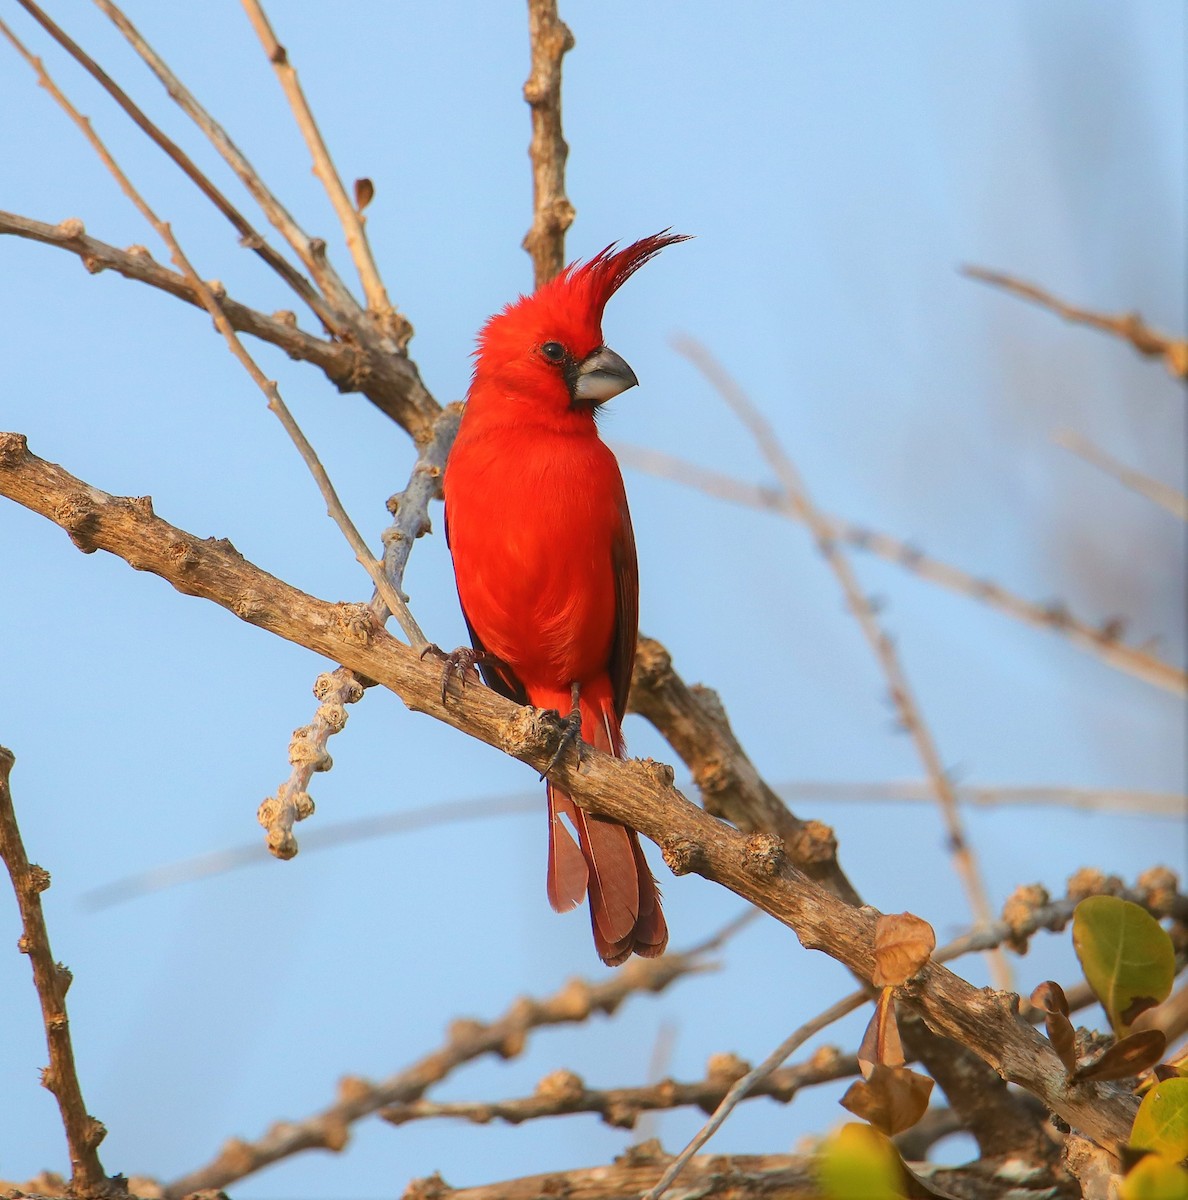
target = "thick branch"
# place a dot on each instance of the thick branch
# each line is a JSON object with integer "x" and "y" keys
{"x": 639, "y": 794}
{"x": 552, "y": 213}
{"x": 83, "y": 1132}
{"x": 695, "y": 725}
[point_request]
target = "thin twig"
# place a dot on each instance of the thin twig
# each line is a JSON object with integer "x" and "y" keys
{"x": 1101, "y": 641}
{"x": 366, "y": 829}
{"x": 349, "y": 217}
{"x": 1131, "y": 327}
{"x": 211, "y": 303}
{"x": 340, "y": 687}
{"x": 798, "y": 499}
{"x": 312, "y": 253}
{"x": 552, "y": 213}
{"x": 248, "y": 236}
{"x": 83, "y": 1132}
{"x": 740, "y": 1090}
{"x": 390, "y": 381}
{"x": 466, "y": 1040}
{"x": 1159, "y": 493}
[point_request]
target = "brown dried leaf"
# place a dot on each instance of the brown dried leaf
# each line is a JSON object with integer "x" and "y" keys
{"x": 880, "y": 1043}
{"x": 892, "y": 1099}
{"x": 1131, "y": 1055}
{"x": 903, "y": 943}
{"x": 364, "y": 193}
{"x": 1051, "y": 998}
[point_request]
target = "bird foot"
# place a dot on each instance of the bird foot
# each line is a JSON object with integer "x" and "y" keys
{"x": 460, "y": 664}
{"x": 571, "y": 734}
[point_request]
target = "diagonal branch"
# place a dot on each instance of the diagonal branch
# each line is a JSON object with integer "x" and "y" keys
{"x": 638, "y": 794}
{"x": 83, "y": 1132}
{"x": 312, "y": 253}
{"x": 378, "y": 304}
{"x": 271, "y": 393}
{"x": 1102, "y": 642}
{"x": 552, "y": 213}
{"x": 340, "y": 687}
{"x": 1131, "y": 327}
{"x": 248, "y": 236}
{"x": 466, "y": 1040}
{"x": 797, "y": 498}
{"x": 1159, "y": 493}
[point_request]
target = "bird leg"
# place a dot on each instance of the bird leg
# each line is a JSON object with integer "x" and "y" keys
{"x": 571, "y": 730}
{"x": 460, "y": 663}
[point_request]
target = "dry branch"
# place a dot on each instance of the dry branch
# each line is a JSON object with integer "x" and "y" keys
{"x": 466, "y": 1040}
{"x": 388, "y": 321}
{"x": 248, "y": 236}
{"x": 83, "y": 1132}
{"x": 340, "y": 687}
{"x": 639, "y": 794}
{"x": 210, "y": 302}
{"x": 907, "y": 708}
{"x": 695, "y": 725}
{"x": 552, "y": 213}
{"x": 1101, "y": 641}
{"x": 564, "y": 1093}
{"x": 729, "y": 1177}
{"x": 390, "y": 381}
{"x": 1159, "y": 493}
{"x": 342, "y": 304}
{"x": 1131, "y": 327}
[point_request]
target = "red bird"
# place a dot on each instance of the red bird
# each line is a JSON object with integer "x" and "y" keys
{"x": 544, "y": 557}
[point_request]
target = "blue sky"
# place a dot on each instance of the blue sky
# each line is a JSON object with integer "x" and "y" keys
{"x": 837, "y": 164}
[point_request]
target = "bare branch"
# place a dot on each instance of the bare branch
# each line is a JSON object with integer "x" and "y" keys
{"x": 1131, "y": 327}
{"x": 695, "y": 725}
{"x": 210, "y": 302}
{"x": 564, "y": 1093}
{"x": 390, "y": 381}
{"x": 378, "y": 304}
{"x": 248, "y": 236}
{"x": 83, "y": 1132}
{"x": 638, "y": 794}
{"x": 1159, "y": 493}
{"x": 466, "y": 1040}
{"x": 552, "y": 213}
{"x": 312, "y": 253}
{"x": 1102, "y": 642}
{"x": 880, "y": 643}
{"x": 741, "y": 1088}
{"x": 338, "y": 688}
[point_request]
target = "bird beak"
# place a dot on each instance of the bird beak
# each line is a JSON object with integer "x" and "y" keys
{"x": 602, "y": 375}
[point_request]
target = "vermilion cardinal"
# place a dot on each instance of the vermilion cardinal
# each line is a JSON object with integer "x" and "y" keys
{"x": 544, "y": 557}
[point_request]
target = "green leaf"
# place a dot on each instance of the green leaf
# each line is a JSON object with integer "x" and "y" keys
{"x": 1155, "y": 1178}
{"x": 1126, "y": 956}
{"x": 859, "y": 1163}
{"x": 1162, "y": 1121}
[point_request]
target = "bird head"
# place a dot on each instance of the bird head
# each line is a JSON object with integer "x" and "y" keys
{"x": 547, "y": 349}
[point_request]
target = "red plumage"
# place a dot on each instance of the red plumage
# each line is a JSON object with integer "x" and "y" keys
{"x": 544, "y": 558}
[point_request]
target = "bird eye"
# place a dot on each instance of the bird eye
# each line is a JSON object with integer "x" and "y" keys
{"x": 553, "y": 351}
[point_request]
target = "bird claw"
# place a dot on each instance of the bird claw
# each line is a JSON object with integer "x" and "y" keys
{"x": 461, "y": 664}
{"x": 571, "y": 733}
